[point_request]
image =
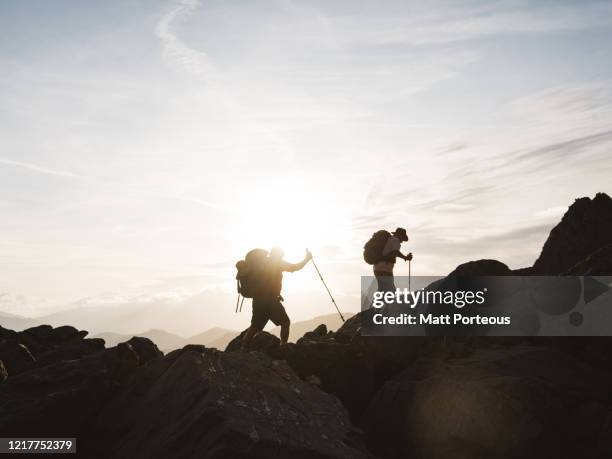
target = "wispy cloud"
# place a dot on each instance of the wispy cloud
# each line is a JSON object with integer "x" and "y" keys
{"x": 36, "y": 168}
{"x": 461, "y": 24}
{"x": 176, "y": 51}
{"x": 562, "y": 149}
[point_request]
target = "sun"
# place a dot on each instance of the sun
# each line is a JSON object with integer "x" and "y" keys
{"x": 293, "y": 216}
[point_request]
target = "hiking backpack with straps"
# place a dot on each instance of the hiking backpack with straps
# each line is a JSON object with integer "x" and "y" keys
{"x": 373, "y": 249}
{"x": 251, "y": 276}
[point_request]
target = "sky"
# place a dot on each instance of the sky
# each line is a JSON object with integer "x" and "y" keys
{"x": 146, "y": 146}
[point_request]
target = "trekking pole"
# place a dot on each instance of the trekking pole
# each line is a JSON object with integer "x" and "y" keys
{"x": 326, "y": 288}
{"x": 409, "y": 273}
{"x": 237, "y": 303}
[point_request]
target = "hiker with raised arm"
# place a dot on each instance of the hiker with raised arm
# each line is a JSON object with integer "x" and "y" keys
{"x": 381, "y": 251}
{"x": 267, "y": 299}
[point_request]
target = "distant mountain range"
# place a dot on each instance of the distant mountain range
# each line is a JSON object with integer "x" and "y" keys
{"x": 219, "y": 337}
{"x": 15, "y": 322}
{"x": 215, "y": 337}
{"x": 331, "y": 321}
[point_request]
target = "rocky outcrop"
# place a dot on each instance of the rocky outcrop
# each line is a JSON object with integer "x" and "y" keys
{"x": 43, "y": 345}
{"x": 599, "y": 263}
{"x": 481, "y": 268}
{"x": 3, "y": 372}
{"x": 525, "y": 402}
{"x": 346, "y": 364}
{"x": 422, "y": 397}
{"x": 198, "y": 402}
{"x": 62, "y": 398}
{"x": 585, "y": 228}
{"x": 16, "y": 357}
{"x": 264, "y": 342}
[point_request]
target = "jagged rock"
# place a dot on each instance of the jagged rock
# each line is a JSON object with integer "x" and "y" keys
{"x": 585, "y": 228}
{"x": 47, "y": 336}
{"x": 262, "y": 341}
{"x": 599, "y": 263}
{"x": 62, "y": 399}
{"x": 352, "y": 371}
{"x": 145, "y": 348}
{"x": 70, "y": 351}
{"x": 198, "y": 402}
{"x": 16, "y": 357}
{"x": 58, "y": 399}
{"x": 321, "y": 330}
{"x": 67, "y": 333}
{"x": 35, "y": 346}
{"x": 520, "y": 402}
{"x": 482, "y": 268}
{"x": 40, "y": 332}
{"x": 5, "y": 333}
{"x": 3, "y": 372}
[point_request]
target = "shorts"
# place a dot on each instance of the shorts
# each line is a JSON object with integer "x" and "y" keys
{"x": 265, "y": 309}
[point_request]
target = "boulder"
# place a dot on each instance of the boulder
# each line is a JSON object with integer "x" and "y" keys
{"x": 520, "y": 402}
{"x": 62, "y": 399}
{"x": 483, "y": 267}
{"x": 55, "y": 400}
{"x": 353, "y": 367}
{"x": 70, "y": 351}
{"x": 585, "y": 228}
{"x": 42, "y": 333}
{"x": 66, "y": 333}
{"x": 145, "y": 348}
{"x": 199, "y": 402}
{"x": 16, "y": 357}
{"x": 5, "y": 333}
{"x": 319, "y": 331}
{"x": 262, "y": 341}
{"x": 598, "y": 263}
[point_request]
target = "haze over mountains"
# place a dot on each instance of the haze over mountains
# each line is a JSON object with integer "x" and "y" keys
{"x": 517, "y": 397}
{"x": 218, "y": 337}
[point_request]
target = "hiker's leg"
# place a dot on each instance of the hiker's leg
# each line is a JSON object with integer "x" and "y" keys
{"x": 279, "y": 316}
{"x": 284, "y": 333}
{"x": 385, "y": 281}
{"x": 248, "y": 336}
{"x": 258, "y": 322}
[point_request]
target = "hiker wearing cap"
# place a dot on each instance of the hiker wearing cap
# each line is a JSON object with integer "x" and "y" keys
{"x": 383, "y": 268}
{"x": 268, "y": 305}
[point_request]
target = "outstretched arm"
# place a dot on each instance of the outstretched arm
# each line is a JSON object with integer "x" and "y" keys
{"x": 292, "y": 267}
{"x": 398, "y": 254}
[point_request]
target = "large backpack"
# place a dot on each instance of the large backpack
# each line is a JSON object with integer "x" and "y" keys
{"x": 252, "y": 275}
{"x": 373, "y": 249}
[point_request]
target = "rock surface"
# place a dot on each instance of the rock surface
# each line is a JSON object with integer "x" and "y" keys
{"x": 348, "y": 365}
{"x": 585, "y": 228}
{"x": 419, "y": 397}
{"x": 63, "y": 398}
{"x": 198, "y": 402}
{"x": 522, "y": 402}
{"x": 43, "y": 345}
{"x": 599, "y": 263}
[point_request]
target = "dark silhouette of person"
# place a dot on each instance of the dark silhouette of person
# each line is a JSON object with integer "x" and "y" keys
{"x": 383, "y": 270}
{"x": 269, "y": 306}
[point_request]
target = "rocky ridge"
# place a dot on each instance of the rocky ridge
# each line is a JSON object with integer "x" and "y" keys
{"x": 331, "y": 394}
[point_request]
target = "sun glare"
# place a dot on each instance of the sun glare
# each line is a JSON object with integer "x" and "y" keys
{"x": 293, "y": 217}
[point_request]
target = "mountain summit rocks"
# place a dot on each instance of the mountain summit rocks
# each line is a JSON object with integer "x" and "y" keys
{"x": 585, "y": 228}
{"x": 198, "y": 402}
{"x": 331, "y": 394}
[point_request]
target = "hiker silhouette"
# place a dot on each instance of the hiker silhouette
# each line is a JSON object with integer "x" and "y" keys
{"x": 381, "y": 251}
{"x": 267, "y": 299}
